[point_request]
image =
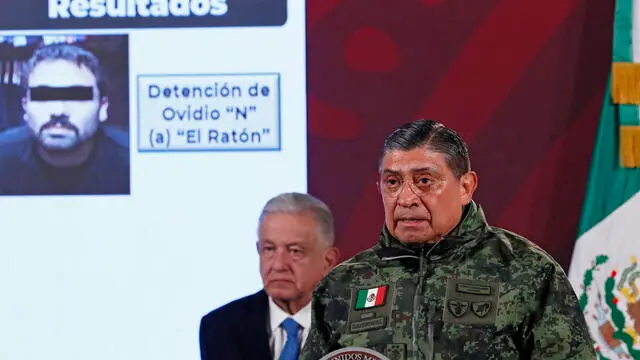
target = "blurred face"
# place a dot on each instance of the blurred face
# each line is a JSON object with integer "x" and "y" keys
{"x": 292, "y": 257}
{"x": 62, "y": 105}
{"x": 422, "y": 198}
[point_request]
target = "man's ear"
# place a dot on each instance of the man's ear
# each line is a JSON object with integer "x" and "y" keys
{"x": 103, "y": 113}
{"x": 332, "y": 257}
{"x": 468, "y": 185}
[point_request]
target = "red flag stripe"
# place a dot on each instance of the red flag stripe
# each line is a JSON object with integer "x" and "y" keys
{"x": 382, "y": 290}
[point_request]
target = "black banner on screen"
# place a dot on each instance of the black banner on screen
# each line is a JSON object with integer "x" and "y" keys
{"x": 104, "y": 14}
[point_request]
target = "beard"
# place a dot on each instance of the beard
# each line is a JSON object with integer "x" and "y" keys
{"x": 59, "y": 134}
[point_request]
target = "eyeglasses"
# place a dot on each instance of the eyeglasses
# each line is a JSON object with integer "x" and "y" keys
{"x": 392, "y": 186}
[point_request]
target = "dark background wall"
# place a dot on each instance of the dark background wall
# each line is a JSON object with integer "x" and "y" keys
{"x": 521, "y": 80}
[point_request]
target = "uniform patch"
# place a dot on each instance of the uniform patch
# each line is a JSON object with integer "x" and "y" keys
{"x": 370, "y": 308}
{"x": 370, "y": 298}
{"x": 457, "y": 307}
{"x": 396, "y": 351}
{"x": 481, "y": 308}
{"x": 369, "y": 324}
{"x": 367, "y": 315}
{"x": 471, "y": 302}
{"x": 473, "y": 289}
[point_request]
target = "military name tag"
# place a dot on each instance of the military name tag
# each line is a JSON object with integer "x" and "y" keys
{"x": 354, "y": 353}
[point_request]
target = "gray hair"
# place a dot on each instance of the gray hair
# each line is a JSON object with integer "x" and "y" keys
{"x": 303, "y": 203}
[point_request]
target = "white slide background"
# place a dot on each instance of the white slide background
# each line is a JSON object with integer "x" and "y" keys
{"x": 129, "y": 277}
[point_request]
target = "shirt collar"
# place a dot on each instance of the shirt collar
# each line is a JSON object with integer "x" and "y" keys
{"x": 277, "y": 316}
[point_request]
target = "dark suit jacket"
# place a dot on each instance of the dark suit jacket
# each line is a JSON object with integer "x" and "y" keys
{"x": 237, "y": 331}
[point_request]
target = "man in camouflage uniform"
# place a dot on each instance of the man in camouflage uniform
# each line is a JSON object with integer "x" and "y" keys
{"x": 441, "y": 283}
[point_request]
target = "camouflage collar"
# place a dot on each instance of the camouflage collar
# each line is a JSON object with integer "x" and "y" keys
{"x": 468, "y": 232}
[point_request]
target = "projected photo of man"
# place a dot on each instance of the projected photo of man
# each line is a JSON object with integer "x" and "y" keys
{"x": 65, "y": 145}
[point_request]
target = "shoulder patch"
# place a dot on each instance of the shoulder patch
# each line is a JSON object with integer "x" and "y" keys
{"x": 471, "y": 302}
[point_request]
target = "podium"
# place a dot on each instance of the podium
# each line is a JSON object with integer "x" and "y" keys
{"x": 354, "y": 353}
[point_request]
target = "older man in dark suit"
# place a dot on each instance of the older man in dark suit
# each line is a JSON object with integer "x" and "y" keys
{"x": 295, "y": 245}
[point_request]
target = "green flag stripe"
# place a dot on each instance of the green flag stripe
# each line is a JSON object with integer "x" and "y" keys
{"x": 623, "y": 51}
{"x": 362, "y": 298}
{"x": 622, "y": 30}
{"x": 609, "y": 185}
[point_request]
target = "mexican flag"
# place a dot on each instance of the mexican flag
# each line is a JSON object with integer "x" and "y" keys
{"x": 605, "y": 269}
{"x": 368, "y": 298}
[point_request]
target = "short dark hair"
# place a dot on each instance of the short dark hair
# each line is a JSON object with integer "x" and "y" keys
{"x": 71, "y": 53}
{"x": 434, "y": 135}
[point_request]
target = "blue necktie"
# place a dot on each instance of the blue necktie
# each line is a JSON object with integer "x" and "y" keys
{"x": 291, "y": 347}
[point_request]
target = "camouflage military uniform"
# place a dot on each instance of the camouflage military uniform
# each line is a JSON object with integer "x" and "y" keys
{"x": 480, "y": 293}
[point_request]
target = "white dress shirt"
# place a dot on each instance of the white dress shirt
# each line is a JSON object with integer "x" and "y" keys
{"x": 278, "y": 335}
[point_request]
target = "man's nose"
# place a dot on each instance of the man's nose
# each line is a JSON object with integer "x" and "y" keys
{"x": 58, "y": 107}
{"x": 407, "y": 196}
{"x": 281, "y": 259}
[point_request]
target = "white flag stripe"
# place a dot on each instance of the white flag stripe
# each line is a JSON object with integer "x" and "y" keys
{"x": 371, "y": 297}
{"x": 635, "y": 32}
{"x": 617, "y": 238}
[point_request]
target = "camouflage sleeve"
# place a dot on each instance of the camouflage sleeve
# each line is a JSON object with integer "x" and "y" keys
{"x": 317, "y": 343}
{"x": 559, "y": 330}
